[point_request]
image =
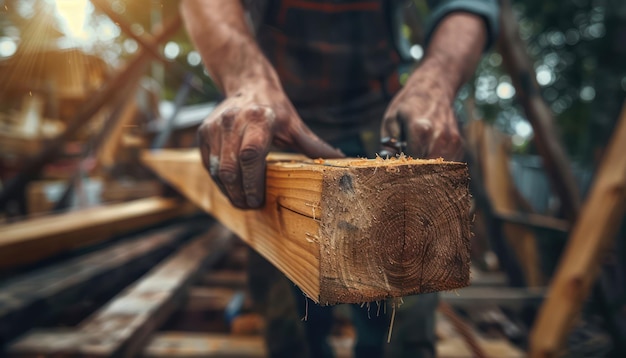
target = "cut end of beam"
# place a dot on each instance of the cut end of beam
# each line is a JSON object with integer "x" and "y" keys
{"x": 394, "y": 229}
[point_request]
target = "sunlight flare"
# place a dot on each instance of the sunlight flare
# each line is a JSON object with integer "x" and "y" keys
{"x": 72, "y": 15}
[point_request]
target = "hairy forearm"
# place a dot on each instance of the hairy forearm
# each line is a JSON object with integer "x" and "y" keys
{"x": 454, "y": 50}
{"x": 219, "y": 31}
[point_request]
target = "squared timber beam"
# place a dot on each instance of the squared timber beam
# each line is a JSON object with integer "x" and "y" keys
{"x": 346, "y": 230}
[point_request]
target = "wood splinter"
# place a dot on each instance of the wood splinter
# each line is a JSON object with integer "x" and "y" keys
{"x": 347, "y": 230}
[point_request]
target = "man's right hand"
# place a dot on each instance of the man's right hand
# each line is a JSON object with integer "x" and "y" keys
{"x": 236, "y": 137}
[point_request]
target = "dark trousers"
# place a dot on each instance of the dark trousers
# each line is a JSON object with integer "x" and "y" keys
{"x": 297, "y": 328}
{"x": 284, "y": 306}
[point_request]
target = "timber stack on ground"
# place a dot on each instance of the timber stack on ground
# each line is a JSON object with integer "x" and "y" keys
{"x": 349, "y": 230}
{"x": 179, "y": 290}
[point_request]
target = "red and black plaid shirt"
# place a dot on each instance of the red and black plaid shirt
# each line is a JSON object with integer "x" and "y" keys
{"x": 337, "y": 59}
{"x": 331, "y": 53}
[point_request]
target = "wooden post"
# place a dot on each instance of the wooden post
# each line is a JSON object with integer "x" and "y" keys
{"x": 591, "y": 236}
{"x": 112, "y": 142}
{"x": 504, "y": 196}
{"x": 351, "y": 230}
{"x": 519, "y": 66}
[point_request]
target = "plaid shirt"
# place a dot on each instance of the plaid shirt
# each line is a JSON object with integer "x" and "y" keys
{"x": 329, "y": 53}
{"x": 338, "y": 59}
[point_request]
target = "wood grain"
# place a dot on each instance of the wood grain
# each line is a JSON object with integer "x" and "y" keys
{"x": 350, "y": 230}
{"x": 31, "y": 240}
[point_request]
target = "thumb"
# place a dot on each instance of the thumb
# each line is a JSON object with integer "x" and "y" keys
{"x": 390, "y": 130}
{"x": 307, "y": 143}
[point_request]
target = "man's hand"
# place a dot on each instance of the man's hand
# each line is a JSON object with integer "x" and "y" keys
{"x": 236, "y": 137}
{"x": 421, "y": 115}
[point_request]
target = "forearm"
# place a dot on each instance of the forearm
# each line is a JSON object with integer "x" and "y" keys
{"x": 230, "y": 54}
{"x": 454, "y": 51}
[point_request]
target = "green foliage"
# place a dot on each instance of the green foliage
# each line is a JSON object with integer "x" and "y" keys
{"x": 579, "y": 48}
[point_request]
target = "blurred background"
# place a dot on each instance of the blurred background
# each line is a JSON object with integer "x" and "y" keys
{"x": 86, "y": 86}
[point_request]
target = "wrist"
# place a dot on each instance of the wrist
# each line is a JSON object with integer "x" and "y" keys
{"x": 260, "y": 77}
{"x": 436, "y": 76}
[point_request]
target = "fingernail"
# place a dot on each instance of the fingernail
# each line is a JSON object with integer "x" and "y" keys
{"x": 253, "y": 201}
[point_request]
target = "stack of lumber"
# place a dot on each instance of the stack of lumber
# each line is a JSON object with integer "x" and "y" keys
{"x": 162, "y": 293}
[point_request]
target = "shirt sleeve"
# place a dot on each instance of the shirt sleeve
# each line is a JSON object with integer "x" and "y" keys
{"x": 488, "y": 10}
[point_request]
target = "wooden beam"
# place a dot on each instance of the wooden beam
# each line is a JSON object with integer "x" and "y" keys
{"x": 90, "y": 275}
{"x": 504, "y": 196}
{"x": 453, "y": 344}
{"x": 518, "y": 64}
{"x": 490, "y": 226}
{"x": 510, "y": 297}
{"x": 350, "y": 230}
{"x": 185, "y": 344}
{"x": 203, "y": 299}
{"x": 226, "y": 278}
{"x": 483, "y": 278}
{"x": 111, "y": 92}
{"x": 111, "y": 143}
{"x": 211, "y": 345}
{"x": 535, "y": 221}
{"x": 592, "y": 234}
{"x": 123, "y": 326}
{"x": 35, "y": 239}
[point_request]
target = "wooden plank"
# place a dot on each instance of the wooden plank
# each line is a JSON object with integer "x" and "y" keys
{"x": 601, "y": 216}
{"x": 492, "y": 319}
{"x": 456, "y": 338}
{"x": 509, "y": 297}
{"x": 226, "y": 278}
{"x": 192, "y": 345}
{"x": 122, "y": 327}
{"x": 202, "y": 299}
{"x": 503, "y": 194}
{"x": 197, "y": 345}
{"x": 188, "y": 345}
{"x": 534, "y": 220}
{"x": 112, "y": 143}
{"x": 347, "y": 231}
{"x": 36, "y": 296}
{"x": 494, "y": 348}
{"x": 486, "y": 226}
{"x": 31, "y": 240}
{"x": 482, "y": 278}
